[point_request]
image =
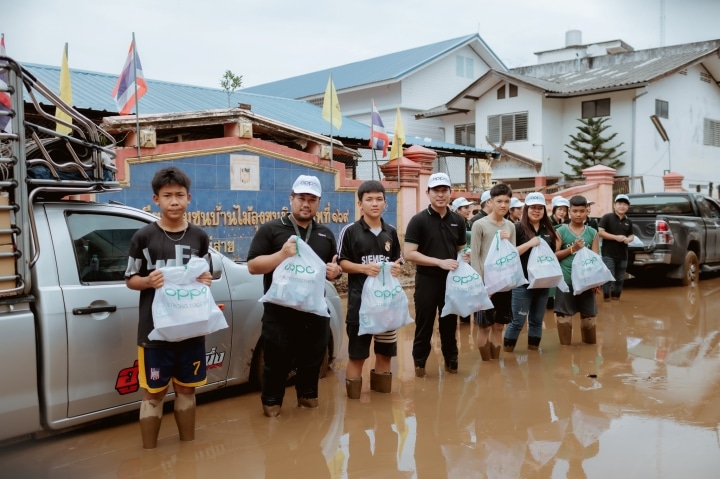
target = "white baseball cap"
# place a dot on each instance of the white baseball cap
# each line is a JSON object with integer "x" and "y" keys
{"x": 560, "y": 201}
{"x": 622, "y": 197}
{"x": 516, "y": 203}
{"x": 439, "y": 179}
{"x": 485, "y": 196}
{"x": 533, "y": 199}
{"x": 460, "y": 202}
{"x": 307, "y": 184}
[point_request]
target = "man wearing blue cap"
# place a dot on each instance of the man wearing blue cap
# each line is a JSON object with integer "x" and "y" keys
{"x": 616, "y": 230}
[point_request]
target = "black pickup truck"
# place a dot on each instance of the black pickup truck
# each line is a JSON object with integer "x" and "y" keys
{"x": 680, "y": 233}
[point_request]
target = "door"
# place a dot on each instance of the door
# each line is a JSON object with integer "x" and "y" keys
{"x": 710, "y": 212}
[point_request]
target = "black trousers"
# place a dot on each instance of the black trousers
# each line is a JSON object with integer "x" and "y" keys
{"x": 429, "y": 301}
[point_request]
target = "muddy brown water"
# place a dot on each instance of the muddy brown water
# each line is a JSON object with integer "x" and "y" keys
{"x": 644, "y": 402}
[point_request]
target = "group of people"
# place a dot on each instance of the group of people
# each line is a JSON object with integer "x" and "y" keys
{"x": 436, "y": 239}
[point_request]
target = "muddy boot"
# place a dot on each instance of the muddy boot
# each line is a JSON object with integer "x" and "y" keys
{"x": 485, "y": 351}
{"x": 494, "y": 351}
{"x": 587, "y": 330}
{"x": 509, "y": 345}
{"x": 185, "y": 416}
{"x": 380, "y": 382}
{"x": 150, "y": 418}
{"x": 533, "y": 343}
{"x": 353, "y": 387}
{"x": 564, "y": 327}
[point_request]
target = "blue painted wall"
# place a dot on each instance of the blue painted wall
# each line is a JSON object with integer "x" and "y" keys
{"x": 231, "y": 217}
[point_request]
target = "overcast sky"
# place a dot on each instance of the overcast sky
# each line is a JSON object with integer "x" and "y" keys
{"x": 195, "y": 41}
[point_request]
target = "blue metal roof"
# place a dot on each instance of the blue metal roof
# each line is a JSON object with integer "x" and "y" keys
{"x": 392, "y": 66}
{"x": 93, "y": 91}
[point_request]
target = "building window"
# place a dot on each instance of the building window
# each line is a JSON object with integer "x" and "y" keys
{"x": 501, "y": 93}
{"x": 662, "y": 109}
{"x": 510, "y": 127}
{"x": 465, "y": 135}
{"x": 711, "y": 133}
{"x": 464, "y": 67}
{"x": 513, "y": 90}
{"x": 595, "y": 108}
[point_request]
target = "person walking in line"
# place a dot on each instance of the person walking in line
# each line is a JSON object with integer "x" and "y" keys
{"x": 573, "y": 237}
{"x": 516, "y": 210}
{"x": 433, "y": 239}
{"x": 289, "y": 334}
{"x": 485, "y": 206}
{"x": 491, "y": 322}
{"x": 616, "y": 230}
{"x": 170, "y": 241}
{"x": 529, "y": 304}
{"x": 559, "y": 214}
{"x": 462, "y": 207}
{"x": 362, "y": 247}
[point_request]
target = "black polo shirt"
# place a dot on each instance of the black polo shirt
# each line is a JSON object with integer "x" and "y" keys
{"x": 271, "y": 237}
{"x": 612, "y": 224}
{"x": 436, "y": 237}
{"x": 359, "y": 244}
{"x": 521, "y": 237}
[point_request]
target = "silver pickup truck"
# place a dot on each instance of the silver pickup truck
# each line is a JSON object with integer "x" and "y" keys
{"x": 68, "y": 323}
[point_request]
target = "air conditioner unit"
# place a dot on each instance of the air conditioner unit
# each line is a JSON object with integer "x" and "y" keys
{"x": 147, "y": 138}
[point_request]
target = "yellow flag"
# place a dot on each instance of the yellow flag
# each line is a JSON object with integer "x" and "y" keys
{"x": 65, "y": 94}
{"x": 398, "y": 138}
{"x": 331, "y": 107}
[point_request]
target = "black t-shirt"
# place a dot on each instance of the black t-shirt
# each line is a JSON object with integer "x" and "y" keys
{"x": 270, "y": 239}
{"x": 521, "y": 237}
{"x": 481, "y": 214}
{"x": 358, "y": 244}
{"x": 151, "y": 248}
{"x": 436, "y": 237}
{"x": 612, "y": 224}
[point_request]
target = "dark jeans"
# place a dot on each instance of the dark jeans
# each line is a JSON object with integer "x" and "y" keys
{"x": 527, "y": 305}
{"x": 617, "y": 267}
{"x": 300, "y": 340}
{"x": 429, "y": 301}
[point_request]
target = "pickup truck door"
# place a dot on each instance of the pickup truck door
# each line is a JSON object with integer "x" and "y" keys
{"x": 710, "y": 212}
{"x": 102, "y": 312}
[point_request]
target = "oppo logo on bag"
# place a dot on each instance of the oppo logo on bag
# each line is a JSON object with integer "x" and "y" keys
{"x": 589, "y": 261}
{"x": 387, "y": 293}
{"x": 545, "y": 259}
{"x": 182, "y": 293}
{"x": 299, "y": 269}
{"x": 506, "y": 259}
{"x": 466, "y": 279}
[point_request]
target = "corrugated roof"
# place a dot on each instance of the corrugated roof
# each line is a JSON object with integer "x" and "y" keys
{"x": 392, "y": 66}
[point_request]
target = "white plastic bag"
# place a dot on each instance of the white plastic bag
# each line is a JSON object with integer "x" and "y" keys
{"x": 588, "y": 271}
{"x": 299, "y": 282}
{"x": 383, "y": 304}
{"x": 503, "y": 269}
{"x": 183, "y": 307}
{"x": 543, "y": 268}
{"x": 464, "y": 291}
{"x": 636, "y": 243}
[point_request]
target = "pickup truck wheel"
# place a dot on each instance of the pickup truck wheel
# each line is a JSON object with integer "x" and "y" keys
{"x": 692, "y": 269}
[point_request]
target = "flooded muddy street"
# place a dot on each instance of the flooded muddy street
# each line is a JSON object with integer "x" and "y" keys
{"x": 643, "y": 403}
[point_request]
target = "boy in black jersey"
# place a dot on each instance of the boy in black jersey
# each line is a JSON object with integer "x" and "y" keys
{"x": 363, "y": 245}
{"x": 170, "y": 241}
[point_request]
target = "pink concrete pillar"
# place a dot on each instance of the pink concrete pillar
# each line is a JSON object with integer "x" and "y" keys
{"x": 673, "y": 181}
{"x": 408, "y": 183}
{"x": 602, "y": 178}
{"x": 540, "y": 182}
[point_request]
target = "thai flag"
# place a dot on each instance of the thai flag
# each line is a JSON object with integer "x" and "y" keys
{"x": 124, "y": 91}
{"x": 5, "y": 104}
{"x": 379, "y": 139}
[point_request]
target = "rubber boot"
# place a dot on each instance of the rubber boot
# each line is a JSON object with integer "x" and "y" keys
{"x": 185, "y": 416}
{"x": 380, "y": 382}
{"x": 587, "y": 330}
{"x": 564, "y": 327}
{"x": 494, "y": 351}
{"x": 509, "y": 345}
{"x": 485, "y": 351}
{"x": 533, "y": 343}
{"x": 353, "y": 387}
{"x": 150, "y": 418}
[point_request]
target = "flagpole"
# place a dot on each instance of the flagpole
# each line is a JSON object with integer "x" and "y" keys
{"x": 373, "y": 158}
{"x": 331, "y": 123}
{"x": 137, "y": 100}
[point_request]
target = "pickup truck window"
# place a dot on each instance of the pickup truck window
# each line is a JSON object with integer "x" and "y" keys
{"x": 708, "y": 209}
{"x": 101, "y": 243}
{"x": 656, "y": 205}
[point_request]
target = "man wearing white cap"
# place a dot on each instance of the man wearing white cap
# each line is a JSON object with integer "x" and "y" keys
{"x": 290, "y": 335}
{"x": 616, "y": 230}
{"x": 432, "y": 241}
{"x": 486, "y": 206}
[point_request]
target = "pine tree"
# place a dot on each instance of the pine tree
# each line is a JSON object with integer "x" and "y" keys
{"x": 590, "y": 148}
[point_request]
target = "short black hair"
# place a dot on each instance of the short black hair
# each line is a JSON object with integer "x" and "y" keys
{"x": 578, "y": 200}
{"x": 170, "y": 176}
{"x": 500, "y": 189}
{"x": 370, "y": 186}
